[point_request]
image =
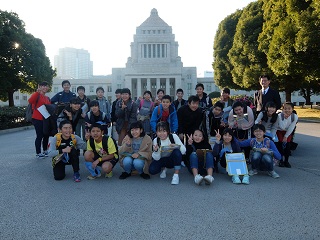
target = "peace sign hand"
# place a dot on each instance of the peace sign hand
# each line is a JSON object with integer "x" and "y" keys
{"x": 190, "y": 140}
{"x": 218, "y": 136}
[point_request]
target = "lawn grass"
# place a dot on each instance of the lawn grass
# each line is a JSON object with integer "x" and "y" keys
{"x": 308, "y": 113}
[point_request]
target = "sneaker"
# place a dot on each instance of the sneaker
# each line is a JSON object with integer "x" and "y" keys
{"x": 183, "y": 164}
{"x": 245, "y": 179}
{"x": 236, "y": 179}
{"x": 253, "y": 172}
{"x": 109, "y": 175}
{"x": 145, "y": 176}
{"x": 273, "y": 174}
{"x": 287, "y": 164}
{"x": 281, "y": 164}
{"x": 40, "y": 156}
{"x": 76, "y": 177}
{"x": 198, "y": 179}
{"x": 45, "y": 153}
{"x": 163, "y": 173}
{"x": 124, "y": 175}
{"x": 90, "y": 177}
{"x": 175, "y": 179}
{"x": 208, "y": 179}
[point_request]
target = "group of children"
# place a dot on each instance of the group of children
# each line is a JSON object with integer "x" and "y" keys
{"x": 155, "y": 136}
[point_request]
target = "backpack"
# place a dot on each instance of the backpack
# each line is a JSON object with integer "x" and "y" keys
{"x": 142, "y": 102}
{"x": 29, "y": 110}
{"x": 282, "y": 116}
{"x": 170, "y": 138}
{"x": 105, "y": 139}
{"x": 59, "y": 139}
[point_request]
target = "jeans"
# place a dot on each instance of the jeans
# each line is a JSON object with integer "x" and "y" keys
{"x": 173, "y": 161}
{"x": 194, "y": 161}
{"x": 130, "y": 164}
{"x": 40, "y": 138}
{"x": 262, "y": 161}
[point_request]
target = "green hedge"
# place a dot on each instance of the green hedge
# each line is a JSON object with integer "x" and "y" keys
{"x": 12, "y": 117}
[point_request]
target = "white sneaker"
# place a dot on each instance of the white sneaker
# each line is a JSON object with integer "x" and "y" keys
{"x": 175, "y": 179}
{"x": 163, "y": 173}
{"x": 253, "y": 172}
{"x": 208, "y": 179}
{"x": 273, "y": 174}
{"x": 183, "y": 164}
{"x": 198, "y": 179}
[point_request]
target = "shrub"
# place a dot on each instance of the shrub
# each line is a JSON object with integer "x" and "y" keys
{"x": 12, "y": 117}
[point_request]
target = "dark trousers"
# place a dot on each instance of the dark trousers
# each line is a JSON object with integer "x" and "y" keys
{"x": 173, "y": 161}
{"x": 41, "y": 137}
{"x": 59, "y": 171}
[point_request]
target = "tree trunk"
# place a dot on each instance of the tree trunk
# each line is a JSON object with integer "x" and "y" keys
{"x": 10, "y": 97}
{"x": 288, "y": 95}
{"x": 308, "y": 96}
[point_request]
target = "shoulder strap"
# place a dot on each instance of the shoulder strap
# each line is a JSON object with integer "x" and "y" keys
{"x": 105, "y": 143}
{"x": 74, "y": 140}
{"x": 292, "y": 117}
{"x": 171, "y": 138}
{"x": 158, "y": 109}
{"x": 92, "y": 145}
{"x": 141, "y": 103}
{"x": 252, "y": 142}
{"x": 58, "y": 142}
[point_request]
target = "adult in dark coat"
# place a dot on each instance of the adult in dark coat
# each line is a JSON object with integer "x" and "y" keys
{"x": 266, "y": 94}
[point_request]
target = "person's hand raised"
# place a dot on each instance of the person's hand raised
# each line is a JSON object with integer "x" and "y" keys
{"x": 218, "y": 136}
{"x": 190, "y": 139}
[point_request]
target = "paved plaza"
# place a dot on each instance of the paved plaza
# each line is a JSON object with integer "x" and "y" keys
{"x": 35, "y": 206}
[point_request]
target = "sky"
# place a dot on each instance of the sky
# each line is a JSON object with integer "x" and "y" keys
{"x": 106, "y": 28}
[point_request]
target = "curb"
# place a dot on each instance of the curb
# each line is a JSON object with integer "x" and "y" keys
{"x": 12, "y": 130}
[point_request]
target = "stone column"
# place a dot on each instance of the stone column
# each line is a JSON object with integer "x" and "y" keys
{"x": 148, "y": 84}
{"x": 158, "y": 84}
{"x": 167, "y": 91}
{"x": 138, "y": 87}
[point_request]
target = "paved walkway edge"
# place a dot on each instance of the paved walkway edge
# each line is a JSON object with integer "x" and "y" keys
{"x": 12, "y": 130}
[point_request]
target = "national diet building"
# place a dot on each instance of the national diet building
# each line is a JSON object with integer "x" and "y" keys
{"x": 154, "y": 62}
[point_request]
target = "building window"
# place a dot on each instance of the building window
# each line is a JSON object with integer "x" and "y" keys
{"x": 109, "y": 89}
{"x": 91, "y": 89}
{"x": 143, "y": 31}
{"x": 159, "y": 31}
{"x": 153, "y": 50}
{"x": 158, "y": 50}
{"x": 118, "y": 86}
{"x": 189, "y": 86}
{"x": 209, "y": 87}
{"x": 149, "y": 50}
{"x": 24, "y": 98}
{"x": 163, "y": 31}
{"x": 188, "y": 76}
{"x": 17, "y": 97}
{"x": 145, "y": 50}
{"x": 163, "y": 50}
{"x": 154, "y": 31}
{"x": 55, "y": 89}
{"x": 74, "y": 89}
{"x": 149, "y": 31}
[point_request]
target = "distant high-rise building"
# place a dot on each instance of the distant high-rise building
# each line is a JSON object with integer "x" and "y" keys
{"x": 73, "y": 63}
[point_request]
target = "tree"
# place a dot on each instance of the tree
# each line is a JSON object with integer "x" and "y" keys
{"x": 286, "y": 40}
{"x": 247, "y": 60}
{"x": 222, "y": 44}
{"x": 23, "y": 61}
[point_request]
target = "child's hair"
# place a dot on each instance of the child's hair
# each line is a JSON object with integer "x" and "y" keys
{"x": 126, "y": 90}
{"x": 200, "y": 85}
{"x": 289, "y": 103}
{"x": 64, "y": 82}
{"x": 274, "y": 115}
{"x": 75, "y": 101}
{"x": 64, "y": 122}
{"x": 44, "y": 83}
{"x": 193, "y": 98}
{"x": 226, "y": 90}
{"x": 179, "y": 90}
{"x": 218, "y": 104}
{"x": 118, "y": 91}
{"x": 204, "y": 136}
{"x": 166, "y": 97}
{"x": 164, "y": 126}
{"x": 133, "y": 125}
{"x": 96, "y": 125}
{"x": 237, "y": 104}
{"x": 228, "y": 130}
{"x": 94, "y": 103}
{"x": 160, "y": 90}
{"x": 99, "y": 88}
{"x": 147, "y": 92}
{"x": 258, "y": 126}
{"x": 81, "y": 88}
